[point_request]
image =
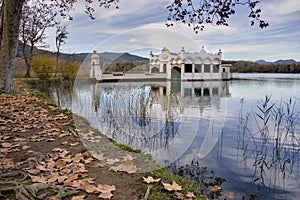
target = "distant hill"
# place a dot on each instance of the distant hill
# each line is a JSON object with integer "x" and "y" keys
{"x": 277, "y": 62}
{"x": 106, "y": 57}
{"x": 119, "y": 57}
{"x": 290, "y": 61}
{"x": 263, "y": 62}
{"x": 129, "y": 57}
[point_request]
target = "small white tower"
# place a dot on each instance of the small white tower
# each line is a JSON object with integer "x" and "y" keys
{"x": 95, "y": 71}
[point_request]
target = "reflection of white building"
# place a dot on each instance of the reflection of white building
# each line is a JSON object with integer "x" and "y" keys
{"x": 190, "y": 66}
{"x": 185, "y": 66}
{"x": 162, "y": 118}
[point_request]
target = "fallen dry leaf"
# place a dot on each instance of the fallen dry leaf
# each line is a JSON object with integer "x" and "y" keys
{"x": 150, "y": 179}
{"x": 87, "y": 161}
{"x": 25, "y": 147}
{"x": 6, "y": 145}
{"x": 98, "y": 165}
{"x": 126, "y": 166}
{"x": 215, "y": 188}
{"x": 57, "y": 149}
{"x": 40, "y": 167}
{"x": 98, "y": 156}
{"x": 190, "y": 195}
{"x": 105, "y": 195}
{"x": 33, "y": 171}
{"x": 128, "y": 157}
{"x": 173, "y": 187}
{"x": 74, "y": 144}
{"x": 38, "y": 179}
{"x": 78, "y": 197}
{"x": 65, "y": 142}
{"x": 106, "y": 188}
{"x": 179, "y": 195}
{"x": 91, "y": 189}
{"x": 112, "y": 161}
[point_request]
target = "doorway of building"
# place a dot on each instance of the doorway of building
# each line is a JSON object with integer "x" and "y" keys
{"x": 175, "y": 73}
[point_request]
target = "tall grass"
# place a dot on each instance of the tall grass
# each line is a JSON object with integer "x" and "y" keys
{"x": 273, "y": 146}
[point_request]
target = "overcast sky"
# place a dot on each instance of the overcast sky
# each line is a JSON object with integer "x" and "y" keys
{"x": 139, "y": 26}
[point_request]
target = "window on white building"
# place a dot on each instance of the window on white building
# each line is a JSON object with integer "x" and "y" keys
{"x": 198, "y": 68}
{"x": 188, "y": 68}
{"x": 215, "y": 68}
{"x": 207, "y": 68}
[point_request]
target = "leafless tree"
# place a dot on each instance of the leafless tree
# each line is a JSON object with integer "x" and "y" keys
{"x": 37, "y": 16}
{"x": 195, "y": 13}
{"x": 60, "y": 39}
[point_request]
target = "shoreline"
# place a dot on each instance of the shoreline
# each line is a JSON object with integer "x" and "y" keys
{"x": 42, "y": 142}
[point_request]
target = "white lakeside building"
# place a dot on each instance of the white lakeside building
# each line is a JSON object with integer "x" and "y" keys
{"x": 184, "y": 66}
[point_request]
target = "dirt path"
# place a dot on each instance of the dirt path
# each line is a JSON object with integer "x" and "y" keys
{"x": 50, "y": 154}
{"x": 43, "y": 157}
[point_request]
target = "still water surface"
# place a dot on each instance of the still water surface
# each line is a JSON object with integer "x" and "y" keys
{"x": 243, "y": 135}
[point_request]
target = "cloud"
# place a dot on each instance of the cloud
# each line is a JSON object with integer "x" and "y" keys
{"x": 139, "y": 26}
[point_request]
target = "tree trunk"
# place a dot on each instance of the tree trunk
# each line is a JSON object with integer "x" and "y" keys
{"x": 28, "y": 63}
{"x": 11, "y": 15}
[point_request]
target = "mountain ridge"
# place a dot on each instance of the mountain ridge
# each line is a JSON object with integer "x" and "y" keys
{"x": 125, "y": 56}
{"x": 277, "y": 62}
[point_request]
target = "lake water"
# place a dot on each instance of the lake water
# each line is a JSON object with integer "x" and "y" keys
{"x": 242, "y": 135}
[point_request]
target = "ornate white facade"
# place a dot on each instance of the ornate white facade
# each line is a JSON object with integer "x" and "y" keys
{"x": 189, "y": 66}
{"x": 186, "y": 66}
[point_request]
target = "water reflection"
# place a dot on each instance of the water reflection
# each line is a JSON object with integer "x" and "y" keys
{"x": 160, "y": 118}
{"x": 182, "y": 126}
{"x": 268, "y": 138}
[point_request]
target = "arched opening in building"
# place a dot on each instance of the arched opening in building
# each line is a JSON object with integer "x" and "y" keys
{"x": 154, "y": 70}
{"x": 165, "y": 68}
{"x": 175, "y": 73}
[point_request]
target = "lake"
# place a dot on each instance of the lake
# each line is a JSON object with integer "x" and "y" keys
{"x": 242, "y": 135}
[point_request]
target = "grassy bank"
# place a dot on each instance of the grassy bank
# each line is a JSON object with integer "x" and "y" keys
{"x": 48, "y": 134}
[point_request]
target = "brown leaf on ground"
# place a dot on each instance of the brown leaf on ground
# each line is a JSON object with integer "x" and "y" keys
{"x": 98, "y": 164}
{"x": 57, "y": 149}
{"x": 33, "y": 171}
{"x": 150, "y": 179}
{"x": 105, "y": 195}
{"x": 179, "y": 195}
{"x": 111, "y": 161}
{"x": 173, "y": 187}
{"x": 91, "y": 189}
{"x": 74, "y": 144}
{"x": 86, "y": 161}
{"x": 106, "y": 188}
{"x": 6, "y": 145}
{"x": 40, "y": 167}
{"x": 190, "y": 195}
{"x": 98, "y": 156}
{"x": 128, "y": 157}
{"x": 126, "y": 166}
{"x": 7, "y": 163}
{"x": 81, "y": 197}
{"x": 38, "y": 179}
{"x": 215, "y": 188}
{"x": 61, "y": 163}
